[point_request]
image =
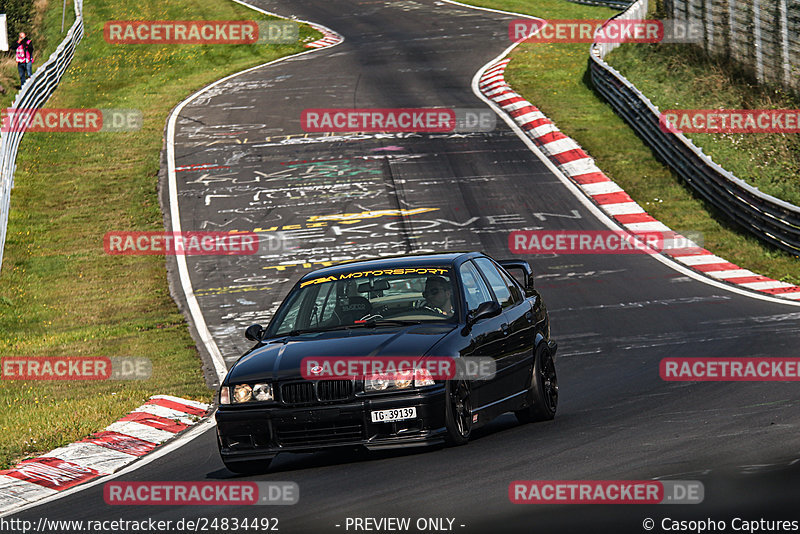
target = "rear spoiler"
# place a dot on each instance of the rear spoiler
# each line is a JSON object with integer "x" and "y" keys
{"x": 526, "y": 278}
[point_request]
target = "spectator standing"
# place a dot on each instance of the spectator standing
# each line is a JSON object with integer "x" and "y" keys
{"x": 24, "y": 55}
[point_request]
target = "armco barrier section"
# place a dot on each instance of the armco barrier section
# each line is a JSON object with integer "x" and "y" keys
{"x": 769, "y": 218}
{"x": 37, "y": 90}
{"x": 613, "y": 4}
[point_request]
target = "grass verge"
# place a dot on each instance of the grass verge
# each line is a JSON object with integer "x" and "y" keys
{"x": 554, "y": 78}
{"x": 60, "y": 294}
{"x": 684, "y": 77}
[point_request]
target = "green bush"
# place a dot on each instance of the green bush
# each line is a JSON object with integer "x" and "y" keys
{"x": 18, "y": 17}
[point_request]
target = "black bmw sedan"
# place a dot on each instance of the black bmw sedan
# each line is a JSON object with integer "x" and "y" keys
{"x": 456, "y": 307}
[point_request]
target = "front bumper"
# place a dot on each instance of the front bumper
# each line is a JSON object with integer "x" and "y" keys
{"x": 261, "y": 432}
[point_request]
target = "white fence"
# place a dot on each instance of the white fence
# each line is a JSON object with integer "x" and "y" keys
{"x": 33, "y": 95}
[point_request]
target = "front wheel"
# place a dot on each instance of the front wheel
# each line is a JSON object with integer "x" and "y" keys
{"x": 544, "y": 390}
{"x": 458, "y": 418}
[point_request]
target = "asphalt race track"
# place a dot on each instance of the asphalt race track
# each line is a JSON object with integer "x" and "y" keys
{"x": 614, "y": 316}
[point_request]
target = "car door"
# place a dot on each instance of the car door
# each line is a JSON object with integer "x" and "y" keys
{"x": 522, "y": 326}
{"x": 517, "y": 326}
{"x": 486, "y": 336}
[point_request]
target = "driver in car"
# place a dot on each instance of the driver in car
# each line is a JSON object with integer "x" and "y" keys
{"x": 438, "y": 295}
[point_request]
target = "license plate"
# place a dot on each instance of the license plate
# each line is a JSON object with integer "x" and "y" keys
{"x": 398, "y": 414}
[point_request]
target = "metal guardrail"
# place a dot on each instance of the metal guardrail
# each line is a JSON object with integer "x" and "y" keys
{"x": 771, "y": 219}
{"x": 37, "y": 90}
{"x": 613, "y": 4}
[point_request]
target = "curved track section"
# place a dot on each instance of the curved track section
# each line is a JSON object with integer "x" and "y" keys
{"x": 242, "y": 162}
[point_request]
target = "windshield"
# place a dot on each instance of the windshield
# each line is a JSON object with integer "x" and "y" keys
{"x": 364, "y": 298}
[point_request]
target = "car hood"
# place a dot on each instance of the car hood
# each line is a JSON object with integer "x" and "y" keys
{"x": 281, "y": 358}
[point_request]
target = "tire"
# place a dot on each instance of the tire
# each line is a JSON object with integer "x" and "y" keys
{"x": 543, "y": 395}
{"x": 458, "y": 412}
{"x": 248, "y": 467}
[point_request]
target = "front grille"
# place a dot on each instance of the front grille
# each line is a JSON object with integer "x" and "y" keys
{"x": 331, "y": 390}
{"x": 298, "y": 393}
{"x": 308, "y": 392}
{"x": 288, "y": 435}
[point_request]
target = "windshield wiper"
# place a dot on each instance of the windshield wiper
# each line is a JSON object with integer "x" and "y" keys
{"x": 313, "y": 330}
{"x": 382, "y": 322}
{"x": 367, "y": 323}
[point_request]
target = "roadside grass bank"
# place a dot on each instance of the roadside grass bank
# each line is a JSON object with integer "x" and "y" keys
{"x": 554, "y": 77}
{"x": 684, "y": 77}
{"x": 60, "y": 294}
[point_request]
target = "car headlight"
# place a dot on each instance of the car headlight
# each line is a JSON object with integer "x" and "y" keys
{"x": 263, "y": 392}
{"x": 376, "y": 383}
{"x": 404, "y": 379}
{"x": 242, "y": 393}
{"x": 398, "y": 380}
{"x": 245, "y": 393}
{"x": 423, "y": 377}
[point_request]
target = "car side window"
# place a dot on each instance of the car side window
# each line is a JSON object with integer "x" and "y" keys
{"x": 323, "y": 306}
{"x": 513, "y": 287}
{"x": 475, "y": 290}
{"x": 496, "y": 282}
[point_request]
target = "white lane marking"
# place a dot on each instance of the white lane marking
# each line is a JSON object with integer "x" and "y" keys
{"x": 140, "y": 431}
{"x": 623, "y": 208}
{"x": 731, "y": 273}
{"x": 529, "y": 117}
{"x": 167, "y": 413}
{"x": 771, "y": 284}
{"x": 701, "y": 259}
{"x": 560, "y": 146}
{"x": 601, "y": 188}
{"x": 101, "y": 459}
{"x": 19, "y": 493}
{"x": 544, "y": 129}
{"x": 650, "y": 226}
{"x": 581, "y": 166}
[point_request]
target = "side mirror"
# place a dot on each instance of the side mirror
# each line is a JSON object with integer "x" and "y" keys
{"x": 254, "y": 332}
{"x": 484, "y": 311}
{"x": 524, "y": 276}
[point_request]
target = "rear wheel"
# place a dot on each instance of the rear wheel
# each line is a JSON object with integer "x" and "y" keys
{"x": 544, "y": 390}
{"x": 458, "y": 418}
{"x": 248, "y": 467}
